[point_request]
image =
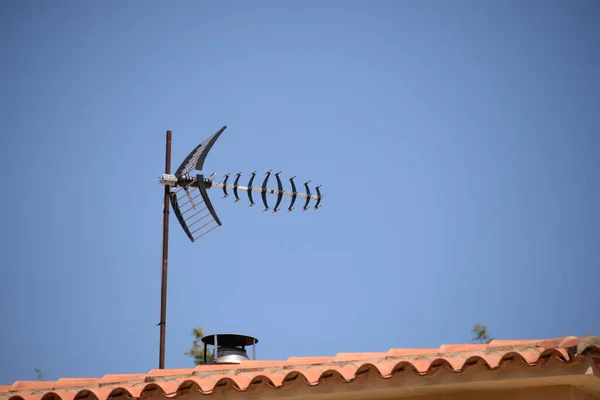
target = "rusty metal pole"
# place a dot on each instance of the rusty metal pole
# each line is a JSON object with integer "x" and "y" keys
{"x": 165, "y": 259}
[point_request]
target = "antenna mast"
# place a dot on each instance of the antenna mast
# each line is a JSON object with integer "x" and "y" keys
{"x": 195, "y": 211}
{"x": 165, "y": 258}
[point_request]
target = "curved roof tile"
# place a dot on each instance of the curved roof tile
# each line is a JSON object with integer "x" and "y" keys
{"x": 341, "y": 369}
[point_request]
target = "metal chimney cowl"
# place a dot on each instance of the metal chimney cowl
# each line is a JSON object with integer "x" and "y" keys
{"x": 229, "y": 348}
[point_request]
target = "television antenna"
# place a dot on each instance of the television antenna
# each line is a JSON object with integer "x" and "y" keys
{"x": 187, "y": 194}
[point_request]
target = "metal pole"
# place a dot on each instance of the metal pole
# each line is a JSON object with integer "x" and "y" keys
{"x": 165, "y": 258}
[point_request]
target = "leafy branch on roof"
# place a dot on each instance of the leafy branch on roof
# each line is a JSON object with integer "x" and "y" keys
{"x": 197, "y": 349}
{"x": 480, "y": 334}
{"x": 39, "y": 373}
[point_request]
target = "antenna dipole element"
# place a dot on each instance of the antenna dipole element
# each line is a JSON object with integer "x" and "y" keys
{"x": 165, "y": 259}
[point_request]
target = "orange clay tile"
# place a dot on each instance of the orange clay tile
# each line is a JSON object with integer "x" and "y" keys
{"x": 413, "y": 352}
{"x": 455, "y": 348}
{"x": 500, "y": 343}
{"x": 112, "y": 379}
{"x": 340, "y": 357}
{"x": 304, "y": 360}
{"x": 340, "y": 369}
{"x": 558, "y": 342}
{"x": 76, "y": 382}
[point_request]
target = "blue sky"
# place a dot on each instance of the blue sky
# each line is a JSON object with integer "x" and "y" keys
{"x": 457, "y": 144}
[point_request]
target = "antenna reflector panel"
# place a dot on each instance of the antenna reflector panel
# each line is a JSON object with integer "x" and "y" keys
{"x": 193, "y": 209}
{"x": 195, "y": 160}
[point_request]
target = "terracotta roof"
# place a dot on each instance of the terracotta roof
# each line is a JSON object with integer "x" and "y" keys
{"x": 314, "y": 371}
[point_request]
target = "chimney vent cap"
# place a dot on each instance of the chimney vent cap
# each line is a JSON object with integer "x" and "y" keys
{"x": 229, "y": 340}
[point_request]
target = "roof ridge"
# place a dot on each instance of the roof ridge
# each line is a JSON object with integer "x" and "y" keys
{"x": 348, "y": 365}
